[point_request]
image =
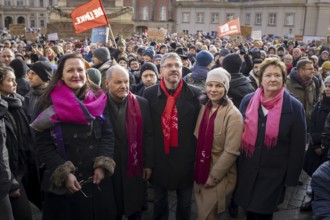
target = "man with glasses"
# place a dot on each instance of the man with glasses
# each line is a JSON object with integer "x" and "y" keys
{"x": 174, "y": 108}
{"x": 301, "y": 85}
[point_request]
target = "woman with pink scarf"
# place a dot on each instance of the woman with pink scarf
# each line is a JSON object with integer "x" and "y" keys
{"x": 272, "y": 145}
{"x": 76, "y": 144}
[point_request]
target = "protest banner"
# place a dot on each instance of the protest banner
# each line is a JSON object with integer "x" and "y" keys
{"x": 246, "y": 31}
{"x": 230, "y": 28}
{"x": 31, "y": 36}
{"x": 52, "y": 37}
{"x": 100, "y": 35}
{"x": 256, "y": 35}
{"x": 88, "y": 16}
{"x": 17, "y": 29}
{"x": 156, "y": 34}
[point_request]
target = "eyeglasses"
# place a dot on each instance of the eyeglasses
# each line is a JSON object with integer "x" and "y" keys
{"x": 83, "y": 183}
{"x": 171, "y": 65}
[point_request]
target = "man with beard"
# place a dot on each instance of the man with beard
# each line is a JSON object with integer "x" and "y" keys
{"x": 130, "y": 116}
{"x": 254, "y": 73}
{"x": 174, "y": 107}
{"x": 149, "y": 77}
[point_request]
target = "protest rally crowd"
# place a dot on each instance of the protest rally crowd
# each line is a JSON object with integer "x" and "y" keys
{"x": 86, "y": 127}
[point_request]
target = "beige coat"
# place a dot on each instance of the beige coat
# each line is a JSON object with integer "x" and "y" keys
{"x": 228, "y": 129}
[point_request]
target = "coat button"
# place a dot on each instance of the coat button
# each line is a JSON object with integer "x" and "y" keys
{"x": 75, "y": 135}
{"x": 91, "y": 147}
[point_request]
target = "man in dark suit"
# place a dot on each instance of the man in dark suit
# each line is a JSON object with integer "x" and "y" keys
{"x": 130, "y": 116}
{"x": 174, "y": 108}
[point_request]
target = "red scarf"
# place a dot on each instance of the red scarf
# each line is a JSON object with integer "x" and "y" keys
{"x": 204, "y": 145}
{"x": 274, "y": 106}
{"x": 134, "y": 130}
{"x": 170, "y": 118}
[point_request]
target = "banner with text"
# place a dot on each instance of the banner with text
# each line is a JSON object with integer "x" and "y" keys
{"x": 88, "y": 16}
{"x": 230, "y": 28}
{"x": 100, "y": 35}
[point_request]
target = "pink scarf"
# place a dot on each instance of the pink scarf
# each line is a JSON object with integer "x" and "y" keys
{"x": 134, "y": 130}
{"x": 274, "y": 106}
{"x": 68, "y": 108}
{"x": 204, "y": 145}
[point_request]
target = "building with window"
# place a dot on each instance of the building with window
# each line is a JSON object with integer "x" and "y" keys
{"x": 278, "y": 17}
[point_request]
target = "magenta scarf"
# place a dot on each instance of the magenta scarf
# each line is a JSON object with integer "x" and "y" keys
{"x": 204, "y": 145}
{"x": 134, "y": 128}
{"x": 274, "y": 107}
{"x": 68, "y": 108}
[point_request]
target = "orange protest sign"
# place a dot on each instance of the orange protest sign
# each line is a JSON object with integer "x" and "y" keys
{"x": 230, "y": 28}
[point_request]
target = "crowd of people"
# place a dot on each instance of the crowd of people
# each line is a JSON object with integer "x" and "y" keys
{"x": 87, "y": 127}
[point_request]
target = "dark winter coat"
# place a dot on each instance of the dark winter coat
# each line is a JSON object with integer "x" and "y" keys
{"x": 239, "y": 86}
{"x": 174, "y": 170}
{"x": 262, "y": 178}
{"x": 130, "y": 191}
{"x": 319, "y": 115}
{"x": 5, "y": 174}
{"x": 321, "y": 188}
{"x": 82, "y": 144}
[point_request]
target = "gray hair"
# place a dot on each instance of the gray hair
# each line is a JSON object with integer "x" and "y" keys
{"x": 115, "y": 68}
{"x": 169, "y": 56}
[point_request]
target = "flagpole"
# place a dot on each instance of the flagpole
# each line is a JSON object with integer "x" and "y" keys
{"x": 113, "y": 38}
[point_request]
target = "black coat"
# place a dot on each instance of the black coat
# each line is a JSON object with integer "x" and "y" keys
{"x": 239, "y": 86}
{"x": 82, "y": 144}
{"x": 130, "y": 191}
{"x": 319, "y": 115}
{"x": 174, "y": 170}
{"x": 262, "y": 178}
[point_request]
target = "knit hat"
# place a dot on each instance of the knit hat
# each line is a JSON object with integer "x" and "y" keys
{"x": 148, "y": 66}
{"x": 327, "y": 80}
{"x": 219, "y": 75}
{"x": 325, "y": 52}
{"x": 181, "y": 53}
{"x": 326, "y": 65}
{"x": 149, "y": 52}
{"x": 123, "y": 58}
{"x": 94, "y": 75}
{"x": 140, "y": 51}
{"x": 132, "y": 55}
{"x": 19, "y": 66}
{"x": 232, "y": 63}
{"x": 102, "y": 54}
{"x": 204, "y": 58}
{"x": 224, "y": 52}
{"x": 158, "y": 56}
{"x": 43, "y": 69}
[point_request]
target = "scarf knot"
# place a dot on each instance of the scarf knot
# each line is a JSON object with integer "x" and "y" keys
{"x": 274, "y": 106}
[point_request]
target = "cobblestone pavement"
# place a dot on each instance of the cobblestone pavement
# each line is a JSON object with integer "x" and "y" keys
{"x": 288, "y": 210}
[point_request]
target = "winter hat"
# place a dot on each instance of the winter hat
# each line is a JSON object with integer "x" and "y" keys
{"x": 219, "y": 75}
{"x": 204, "y": 58}
{"x": 255, "y": 53}
{"x": 132, "y": 55}
{"x": 19, "y": 66}
{"x": 232, "y": 63}
{"x": 148, "y": 66}
{"x": 140, "y": 51}
{"x": 158, "y": 56}
{"x": 327, "y": 80}
{"x": 102, "y": 53}
{"x": 224, "y": 52}
{"x": 149, "y": 52}
{"x": 43, "y": 69}
{"x": 325, "y": 52}
{"x": 326, "y": 65}
{"x": 94, "y": 75}
{"x": 123, "y": 58}
{"x": 181, "y": 53}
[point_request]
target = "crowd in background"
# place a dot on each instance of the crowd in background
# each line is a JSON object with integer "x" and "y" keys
{"x": 85, "y": 127}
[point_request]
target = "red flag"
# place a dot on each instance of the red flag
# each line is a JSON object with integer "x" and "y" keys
{"x": 88, "y": 16}
{"x": 230, "y": 28}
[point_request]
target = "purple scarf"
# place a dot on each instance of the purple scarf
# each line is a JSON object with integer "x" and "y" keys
{"x": 68, "y": 108}
{"x": 204, "y": 145}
